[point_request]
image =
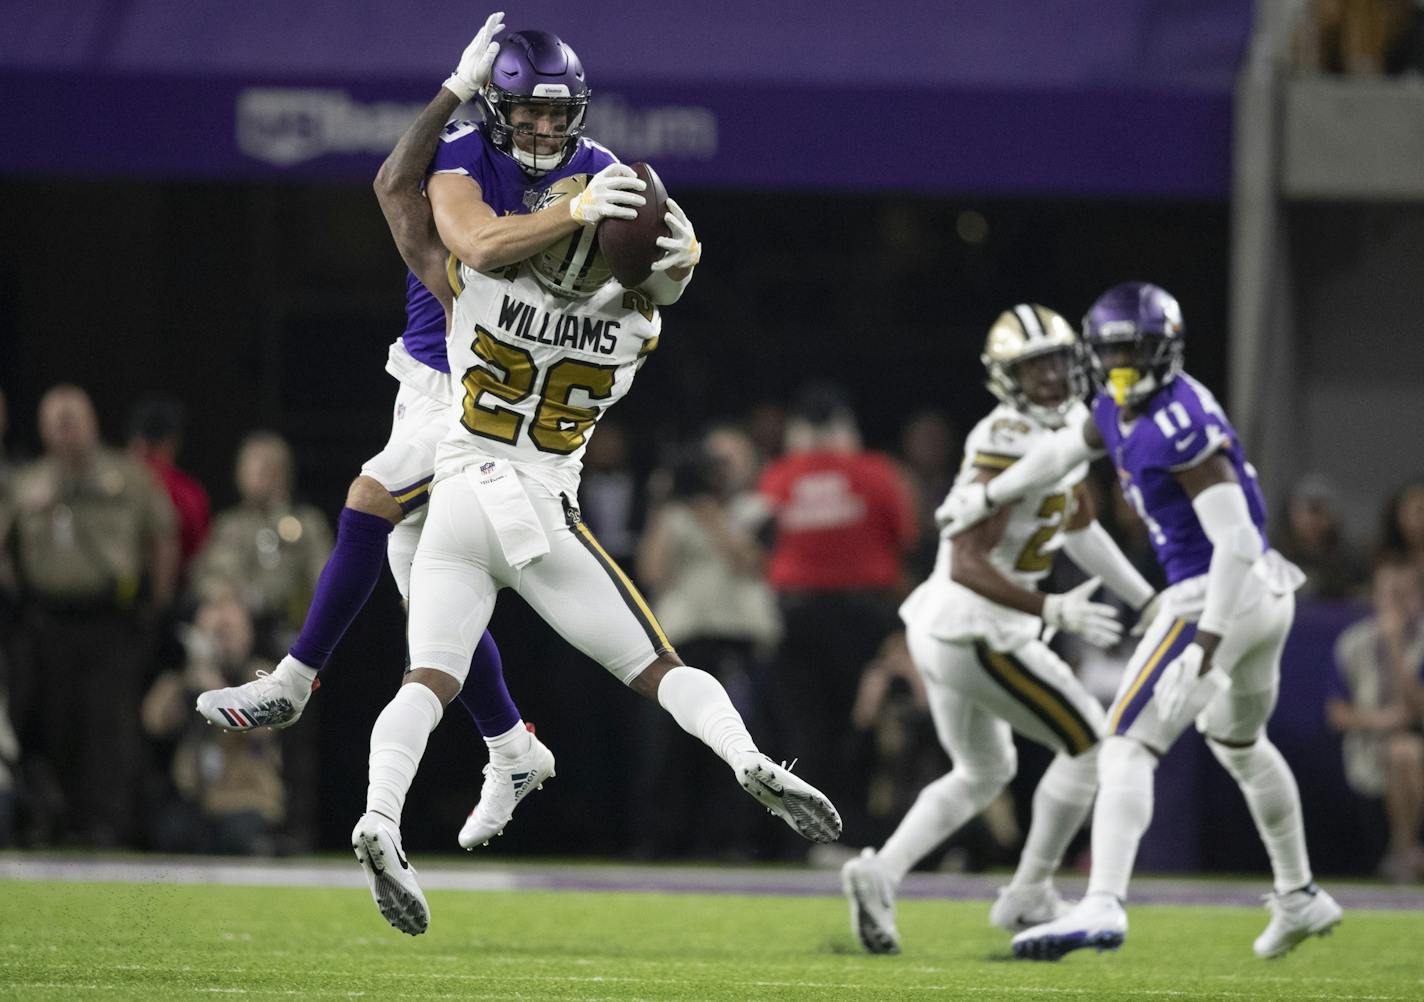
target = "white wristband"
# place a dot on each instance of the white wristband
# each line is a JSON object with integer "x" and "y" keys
{"x": 459, "y": 88}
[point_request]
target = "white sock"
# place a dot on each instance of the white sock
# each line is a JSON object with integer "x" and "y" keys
{"x": 511, "y": 744}
{"x": 1123, "y": 812}
{"x": 1269, "y": 787}
{"x": 700, "y": 706}
{"x": 1060, "y": 806}
{"x": 941, "y": 809}
{"x": 397, "y": 744}
{"x": 291, "y": 665}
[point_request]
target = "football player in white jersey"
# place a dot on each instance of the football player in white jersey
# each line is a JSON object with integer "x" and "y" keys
{"x": 1213, "y": 657}
{"x": 538, "y": 352}
{"x": 975, "y": 631}
{"x": 384, "y": 511}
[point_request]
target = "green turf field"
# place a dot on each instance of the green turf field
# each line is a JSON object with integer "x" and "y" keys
{"x": 120, "y": 941}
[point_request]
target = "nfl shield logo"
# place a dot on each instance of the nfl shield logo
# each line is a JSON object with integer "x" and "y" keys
{"x": 486, "y": 468}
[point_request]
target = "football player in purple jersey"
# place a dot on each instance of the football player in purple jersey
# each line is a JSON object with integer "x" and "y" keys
{"x": 1213, "y": 653}
{"x": 385, "y": 505}
{"x": 693, "y": 697}
{"x": 486, "y": 177}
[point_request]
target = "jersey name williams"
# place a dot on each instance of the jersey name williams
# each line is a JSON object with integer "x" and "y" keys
{"x": 558, "y": 330}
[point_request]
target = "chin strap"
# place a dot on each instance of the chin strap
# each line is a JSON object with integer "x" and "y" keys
{"x": 529, "y": 162}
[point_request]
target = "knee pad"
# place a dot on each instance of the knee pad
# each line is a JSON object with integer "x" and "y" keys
{"x": 1072, "y": 779}
{"x": 981, "y": 782}
{"x": 1243, "y": 762}
{"x": 1121, "y": 757}
{"x": 1236, "y": 717}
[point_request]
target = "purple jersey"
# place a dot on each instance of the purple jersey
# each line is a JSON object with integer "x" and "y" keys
{"x": 465, "y": 149}
{"x": 1182, "y": 425}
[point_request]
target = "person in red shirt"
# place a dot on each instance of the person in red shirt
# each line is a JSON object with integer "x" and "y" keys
{"x": 844, "y": 519}
{"x": 155, "y": 437}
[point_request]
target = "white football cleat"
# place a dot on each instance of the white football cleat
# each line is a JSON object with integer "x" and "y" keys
{"x": 377, "y": 842}
{"x": 872, "y": 903}
{"x": 273, "y": 699}
{"x": 1020, "y": 908}
{"x": 507, "y": 782}
{"x": 1096, "y": 921}
{"x": 795, "y": 801}
{"x": 1296, "y": 917}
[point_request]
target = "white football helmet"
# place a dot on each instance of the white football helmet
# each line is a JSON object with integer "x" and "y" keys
{"x": 1025, "y": 332}
{"x": 573, "y": 266}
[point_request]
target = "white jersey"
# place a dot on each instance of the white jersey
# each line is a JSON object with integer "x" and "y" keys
{"x": 1024, "y": 554}
{"x": 532, "y": 372}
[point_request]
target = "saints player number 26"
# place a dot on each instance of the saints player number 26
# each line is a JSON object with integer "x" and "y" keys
{"x": 559, "y": 426}
{"x": 1033, "y": 558}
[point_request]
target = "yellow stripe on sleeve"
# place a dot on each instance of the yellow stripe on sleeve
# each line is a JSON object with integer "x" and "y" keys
{"x": 994, "y": 460}
{"x": 452, "y": 273}
{"x": 411, "y": 494}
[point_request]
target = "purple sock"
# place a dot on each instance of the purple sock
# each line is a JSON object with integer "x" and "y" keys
{"x": 485, "y": 695}
{"x": 346, "y": 581}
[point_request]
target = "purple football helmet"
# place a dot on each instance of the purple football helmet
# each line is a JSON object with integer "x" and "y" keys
{"x": 534, "y": 68}
{"x": 1134, "y": 337}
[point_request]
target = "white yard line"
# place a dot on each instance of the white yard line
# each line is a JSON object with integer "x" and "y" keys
{"x": 444, "y": 875}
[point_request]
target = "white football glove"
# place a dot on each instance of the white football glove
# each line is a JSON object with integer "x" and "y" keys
{"x": 964, "y": 507}
{"x": 1183, "y": 691}
{"x": 474, "y": 69}
{"x": 612, "y": 193}
{"x": 1075, "y": 612}
{"x": 683, "y": 250}
{"x": 1147, "y": 615}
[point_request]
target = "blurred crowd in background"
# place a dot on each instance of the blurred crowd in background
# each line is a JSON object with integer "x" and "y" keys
{"x": 775, "y": 548}
{"x": 1362, "y": 37}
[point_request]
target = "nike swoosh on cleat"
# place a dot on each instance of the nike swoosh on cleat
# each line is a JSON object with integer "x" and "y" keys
{"x": 401, "y": 859}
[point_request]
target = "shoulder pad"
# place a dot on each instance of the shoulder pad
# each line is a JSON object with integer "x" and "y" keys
{"x": 999, "y": 440}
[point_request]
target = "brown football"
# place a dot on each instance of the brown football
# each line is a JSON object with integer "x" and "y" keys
{"x": 630, "y": 245}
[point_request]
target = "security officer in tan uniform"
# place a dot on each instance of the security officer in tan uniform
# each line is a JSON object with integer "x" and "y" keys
{"x": 95, "y": 552}
{"x": 267, "y": 550}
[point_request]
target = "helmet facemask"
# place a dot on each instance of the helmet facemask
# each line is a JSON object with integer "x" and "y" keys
{"x": 1034, "y": 363}
{"x": 1136, "y": 366}
{"x": 1054, "y": 373}
{"x": 512, "y": 131}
